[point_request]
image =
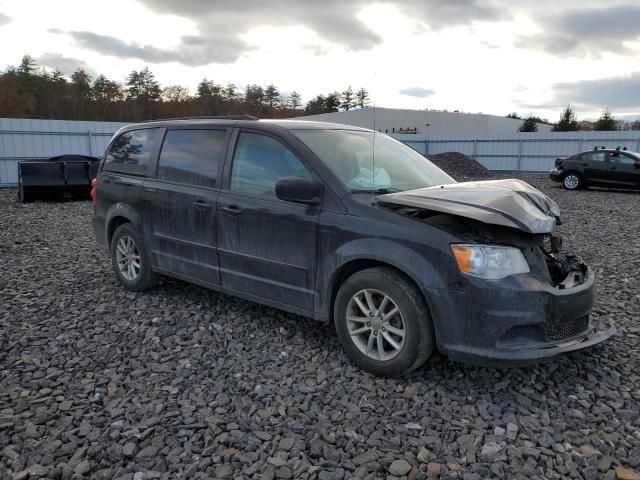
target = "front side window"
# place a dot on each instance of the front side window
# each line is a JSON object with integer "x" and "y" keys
{"x": 259, "y": 162}
{"x": 131, "y": 152}
{"x": 191, "y": 156}
{"x": 624, "y": 158}
{"x": 365, "y": 160}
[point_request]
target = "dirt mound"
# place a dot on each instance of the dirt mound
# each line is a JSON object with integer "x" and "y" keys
{"x": 460, "y": 166}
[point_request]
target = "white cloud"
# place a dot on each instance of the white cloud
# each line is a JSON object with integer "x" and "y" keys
{"x": 417, "y": 92}
{"x": 389, "y": 47}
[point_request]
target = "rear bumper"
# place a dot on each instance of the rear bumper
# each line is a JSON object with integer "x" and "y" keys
{"x": 555, "y": 175}
{"x": 515, "y": 321}
{"x": 100, "y": 232}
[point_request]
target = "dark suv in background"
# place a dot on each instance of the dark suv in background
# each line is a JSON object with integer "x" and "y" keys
{"x": 345, "y": 225}
{"x": 599, "y": 167}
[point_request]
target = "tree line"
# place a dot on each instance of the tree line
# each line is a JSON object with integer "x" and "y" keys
{"x": 28, "y": 91}
{"x": 569, "y": 122}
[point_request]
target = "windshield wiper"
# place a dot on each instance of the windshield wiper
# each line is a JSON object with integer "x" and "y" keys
{"x": 377, "y": 191}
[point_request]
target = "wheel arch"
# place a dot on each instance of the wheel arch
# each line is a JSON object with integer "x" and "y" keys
{"x": 119, "y": 214}
{"x": 354, "y": 266}
{"x": 368, "y": 253}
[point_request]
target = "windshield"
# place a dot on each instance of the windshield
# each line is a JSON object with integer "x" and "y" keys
{"x": 395, "y": 167}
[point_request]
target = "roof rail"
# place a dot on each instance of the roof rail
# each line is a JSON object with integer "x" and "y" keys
{"x": 205, "y": 117}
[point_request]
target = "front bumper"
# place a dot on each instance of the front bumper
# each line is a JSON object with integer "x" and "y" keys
{"x": 556, "y": 175}
{"x": 515, "y": 321}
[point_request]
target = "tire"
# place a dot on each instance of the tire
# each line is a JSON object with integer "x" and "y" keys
{"x": 572, "y": 181}
{"x": 126, "y": 240}
{"x": 418, "y": 342}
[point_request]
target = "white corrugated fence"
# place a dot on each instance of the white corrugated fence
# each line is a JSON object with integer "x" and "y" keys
{"x": 25, "y": 139}
{"x": 528, "y": 152}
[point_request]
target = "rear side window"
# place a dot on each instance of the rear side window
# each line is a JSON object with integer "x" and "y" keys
{"x": 131, "y": 152}
{"x": 259, "y": 161}
{"x": 595, "y": 157}
{"x": 192, "y": 156}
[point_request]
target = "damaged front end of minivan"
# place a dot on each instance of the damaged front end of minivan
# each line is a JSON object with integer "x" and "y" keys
{"x": 518, "y": 297}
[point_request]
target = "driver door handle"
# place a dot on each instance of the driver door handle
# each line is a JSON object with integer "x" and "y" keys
{"x": 202, "y": 204}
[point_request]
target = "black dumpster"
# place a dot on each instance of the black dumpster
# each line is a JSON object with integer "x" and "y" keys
{"x": 62, "y": 176}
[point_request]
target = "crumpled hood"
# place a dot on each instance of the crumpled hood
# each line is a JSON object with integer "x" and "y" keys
{"x": 510, "y": 203}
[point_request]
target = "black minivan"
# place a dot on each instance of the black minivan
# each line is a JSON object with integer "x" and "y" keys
{"x": 349, "y": 226}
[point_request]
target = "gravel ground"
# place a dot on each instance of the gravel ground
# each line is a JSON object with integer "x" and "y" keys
{"x": 181, "y": 382}
{"x": 460, "y": 166}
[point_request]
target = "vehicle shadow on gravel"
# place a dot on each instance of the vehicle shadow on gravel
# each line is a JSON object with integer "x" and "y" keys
{"x": 438, "y": 372}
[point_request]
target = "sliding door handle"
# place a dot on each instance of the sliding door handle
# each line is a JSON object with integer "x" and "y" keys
{"x": 232, "y": 209}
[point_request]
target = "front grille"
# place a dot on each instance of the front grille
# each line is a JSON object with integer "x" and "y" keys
{"x": 567, "y": 329}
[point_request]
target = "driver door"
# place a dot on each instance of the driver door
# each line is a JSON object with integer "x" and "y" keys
{"x": 624, "y": 171}
{"x": 266, "y": 246}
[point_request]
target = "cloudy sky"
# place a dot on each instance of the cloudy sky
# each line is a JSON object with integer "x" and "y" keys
{"x": 491, "y": 56}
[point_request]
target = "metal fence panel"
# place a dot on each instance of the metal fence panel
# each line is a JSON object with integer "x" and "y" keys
{"x": 28, "y": 139}
{"x": 22, "y": 139}
{"x": 531, "y": 152}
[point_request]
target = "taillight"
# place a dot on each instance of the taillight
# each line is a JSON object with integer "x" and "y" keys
{"x": 94, "y": 190}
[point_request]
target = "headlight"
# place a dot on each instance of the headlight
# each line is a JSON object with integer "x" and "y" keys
{"x": 489, "y": 262}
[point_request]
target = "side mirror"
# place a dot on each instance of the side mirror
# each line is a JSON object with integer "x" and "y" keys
{"x": 299, "y": 190}
{"x": 637, "y": 164}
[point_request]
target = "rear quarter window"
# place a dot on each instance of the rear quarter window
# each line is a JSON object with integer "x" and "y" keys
{"x": 132, "y": 151}
{"x": 192, "y": 156}
{"x": 594, "y": 157}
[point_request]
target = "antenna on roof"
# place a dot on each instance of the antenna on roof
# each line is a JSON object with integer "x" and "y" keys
{"x": 373, "y": 143}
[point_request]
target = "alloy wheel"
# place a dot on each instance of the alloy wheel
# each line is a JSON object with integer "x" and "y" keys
{"x": 128, "y": 258}
{"x": 376, "y": 325}
{"x": 571, "y": 181}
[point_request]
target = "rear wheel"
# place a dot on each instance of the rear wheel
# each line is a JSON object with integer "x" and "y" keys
{"x": 572, "y": 181}
{"x": 383, "y": 323}
{"x": 130, "y": 259}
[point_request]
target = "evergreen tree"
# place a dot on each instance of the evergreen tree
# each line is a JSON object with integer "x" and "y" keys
{"x": 229, "y": 93}
{"x": 105, "y": 90}
{"x": 362, "y": 98}
{"x": 606, "y": 122}
{"x": 568, "y": 121}
{"x": 271, "y": 97}
{"x": 529, "y": 125}
{"x": 142, "y": 85}
{"x": 332, "y": 103}
{"x": 347, "y": 99}
{"x": 254, "y": 96}
{"x": 295, "y": 100}
{"x": 143, "y": 90}
{"x": 315, "y": 105}
{"x": 27, "y": 65}
{"x": 80, "y": 88}
{"x": 205, "y": 88}
{"x": 514, "y": 115}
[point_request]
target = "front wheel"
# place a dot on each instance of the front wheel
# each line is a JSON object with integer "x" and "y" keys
{"x": 572, "y": 181}
{"x": 130, "y": 259}
{"x": 383, "y": 323}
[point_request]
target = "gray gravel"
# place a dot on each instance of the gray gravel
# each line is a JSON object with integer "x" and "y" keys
{"x": 460, "y": 166}
{"x": 182, "y": 382}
